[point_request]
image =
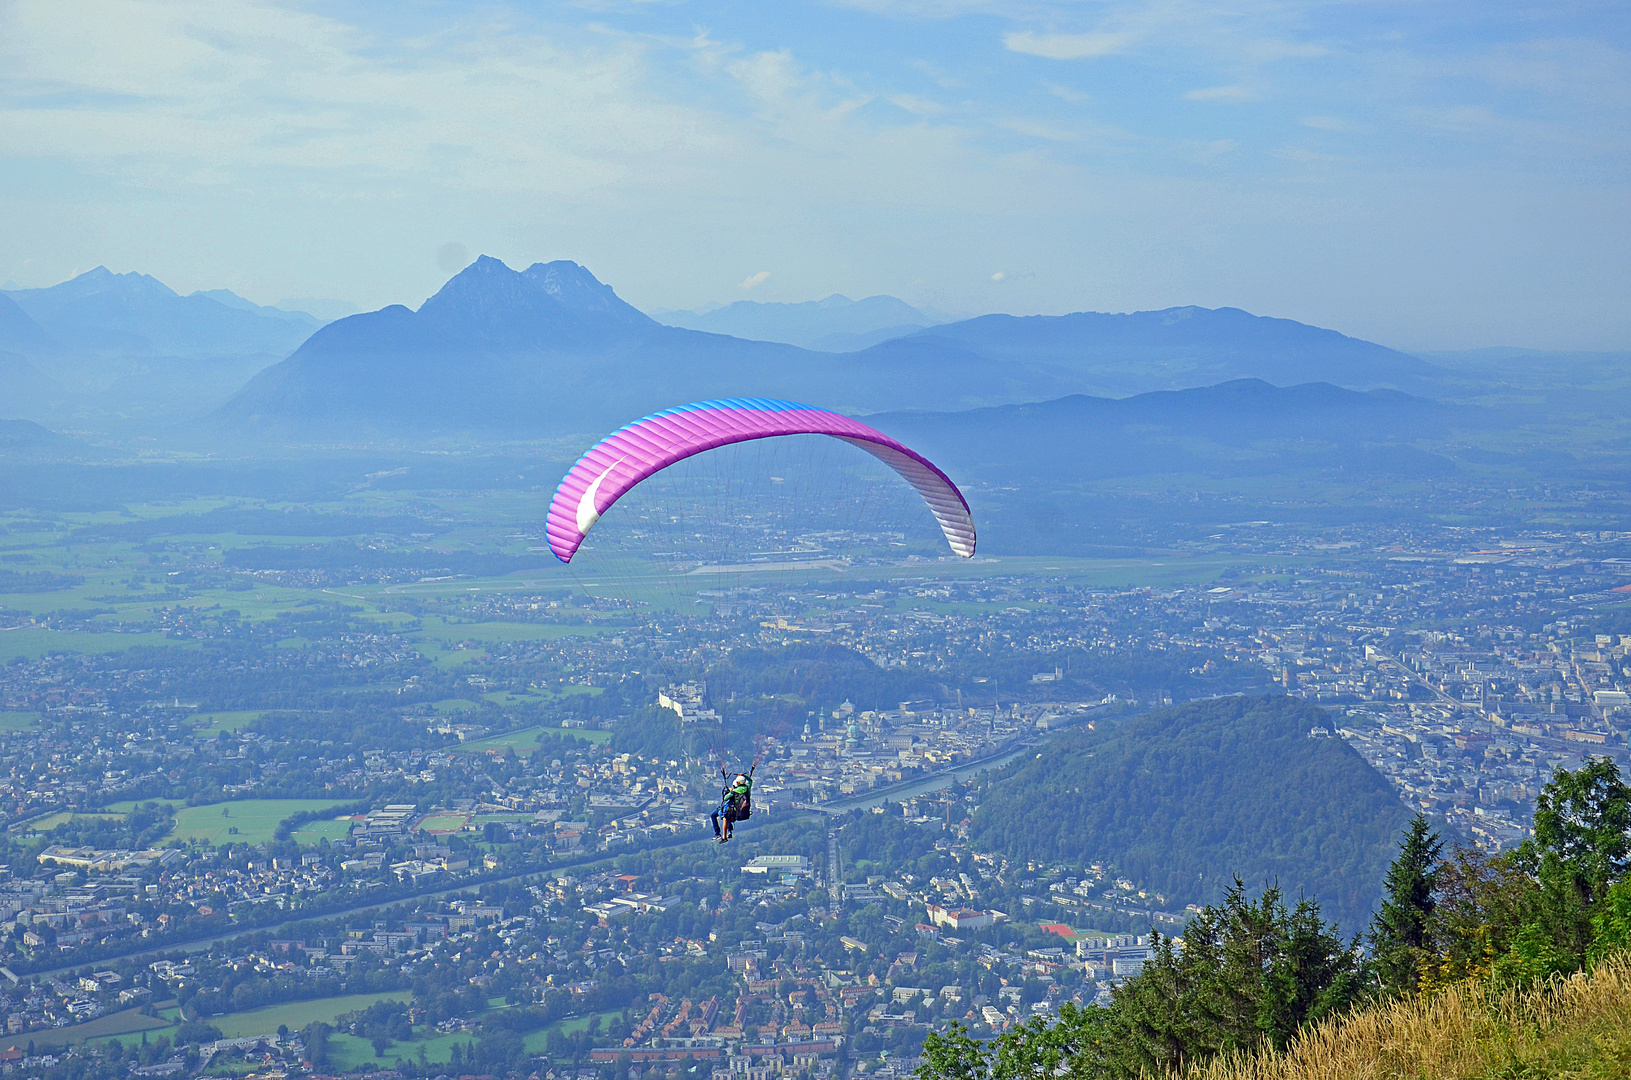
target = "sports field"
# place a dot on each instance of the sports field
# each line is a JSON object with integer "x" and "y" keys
{"x": 308, "y": 835}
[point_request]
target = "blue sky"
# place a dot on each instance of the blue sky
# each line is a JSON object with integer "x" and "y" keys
{"x": 1429, "y": 175}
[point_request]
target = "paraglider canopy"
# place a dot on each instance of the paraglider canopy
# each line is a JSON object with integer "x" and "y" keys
{"x": 636, "y": 451}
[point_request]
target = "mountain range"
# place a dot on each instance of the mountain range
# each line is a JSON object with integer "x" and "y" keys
{"x": 1240, "y": 427}
{"x": 128, "y": 348}
{"x": 124, "y": 314}
{"x": 551, "y": 350}
{"x": 836, "y": 324}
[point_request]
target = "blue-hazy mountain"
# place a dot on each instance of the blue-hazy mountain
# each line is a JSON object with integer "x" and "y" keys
{"x": 551, "y": 350}
{"x": 24, "y": 388}
{"x": 1170, "y": 349}
{"x": 545, "y": 350}
{"x": 287, "y": 313}
{"x": 19, "y": 333}
{"x": 836, "y": 324}
{"x": 324, "y": 310}
{"x": 105, "y": 313}
{"x": 1241, "y": 427}
{"x": 125, "y": 350}
{"x": 23, "y": 438}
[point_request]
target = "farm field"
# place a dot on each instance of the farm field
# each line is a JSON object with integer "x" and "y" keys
{"x": 34, "y": 642}
{"x": 125, "y": 1022}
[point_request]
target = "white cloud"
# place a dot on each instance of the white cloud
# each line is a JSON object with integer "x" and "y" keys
{"x": 999, "y": 277}
{"x": 753, "y": 281}
{"x": 175, "y": 94}
{"x": 1066, "y": 46}
{"x": 916, "y": 104}
{"x": 1231, "y": 94}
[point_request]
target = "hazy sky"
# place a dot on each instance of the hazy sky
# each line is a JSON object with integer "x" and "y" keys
{"x": 1428, "y": 175}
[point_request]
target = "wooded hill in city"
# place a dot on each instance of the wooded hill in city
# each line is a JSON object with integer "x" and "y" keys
{"x": 1182, "y": 799}
{"x": 1517, "y": 965}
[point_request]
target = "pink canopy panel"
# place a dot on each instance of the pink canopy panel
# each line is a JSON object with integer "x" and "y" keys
{"x": 630, "y": 454}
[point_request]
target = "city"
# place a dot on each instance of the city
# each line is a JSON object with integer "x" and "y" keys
{"x": 565, "y": 781}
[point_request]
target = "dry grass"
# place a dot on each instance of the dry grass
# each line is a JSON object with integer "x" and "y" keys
{"x": 1578, "y": 1028}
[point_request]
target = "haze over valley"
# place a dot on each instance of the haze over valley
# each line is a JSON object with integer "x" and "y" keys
{"x": 814, "y": 541}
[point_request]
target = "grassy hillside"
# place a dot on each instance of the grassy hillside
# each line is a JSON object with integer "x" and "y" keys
{"x": 1578, "y": 1027}
{"x": 1183, "y": 799}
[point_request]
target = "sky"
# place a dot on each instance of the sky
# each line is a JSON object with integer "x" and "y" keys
{"x": 1430, "y": 175}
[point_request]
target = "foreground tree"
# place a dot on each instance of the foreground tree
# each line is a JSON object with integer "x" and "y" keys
{"x": 1400, "y": 935}
{"x": 1581, "y": 846}
{"x": 1247, "y": 973}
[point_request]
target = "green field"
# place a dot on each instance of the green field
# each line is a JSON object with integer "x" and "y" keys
{"x": 297, "y": 1014}
{"x": 214, "y": 723}
{"x": 127, "y": 1022}
{"x": 536, "y": 1041}
{"x": 35, "y": 642}
{"x": 444, "y": 823}
{"x": 17, "y": 721}
{"x": 525, "y": 741}
{"x": 255, "y": 819}
{"x": 348, "y": 1053}
{"x": 309, "y": 835}
{"x": 130, "y": 804}
{"x": 45, "y": 825}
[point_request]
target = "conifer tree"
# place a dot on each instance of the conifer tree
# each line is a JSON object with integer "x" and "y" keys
{"x": 1399, "y": 933}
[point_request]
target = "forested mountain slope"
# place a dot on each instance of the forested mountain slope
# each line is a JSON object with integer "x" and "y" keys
{"x": 1182, "y": 799}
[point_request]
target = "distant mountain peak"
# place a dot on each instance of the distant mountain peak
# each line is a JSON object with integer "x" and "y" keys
{"x": 106, "y": 314}
{"x": 577, "y": 288}
{"x": 101, "y": 279}
{"x": 559, "y": 292}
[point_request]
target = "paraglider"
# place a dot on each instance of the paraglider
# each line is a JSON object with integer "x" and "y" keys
{"x": 638, "y": 451}
{"x": 621, "y": 460}
{"x": 735, "y": 803}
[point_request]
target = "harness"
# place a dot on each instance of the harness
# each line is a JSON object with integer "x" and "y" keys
{"x": 737, "y": 797}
